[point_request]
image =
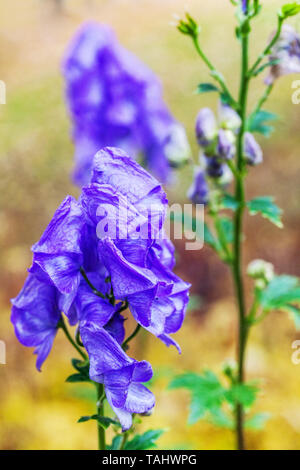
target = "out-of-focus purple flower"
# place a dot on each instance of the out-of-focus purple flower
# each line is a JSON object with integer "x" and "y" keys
{"x": 285, "y": 54}
{"x": 226, "y": 144}
{"x": 115, "y": 100}
{"x": 214, "y": 167}
{"x": 228, "y": 117}
{"x": 35, "y": 316}
{"x": 206, "y": 127}
{"x": 252, "y": 150}
{"x": 198, "y": 192}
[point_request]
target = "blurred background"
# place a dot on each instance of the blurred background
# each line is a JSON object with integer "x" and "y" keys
{"x": 40, "y": 410}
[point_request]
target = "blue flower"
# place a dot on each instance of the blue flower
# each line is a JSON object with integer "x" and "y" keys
{"x": 35, "y": 316}
{"x": 87, "y": 273}
{"x": 115, "y": 100}
{"x": 252, "y": 150}
{"x": 198, "y": 192}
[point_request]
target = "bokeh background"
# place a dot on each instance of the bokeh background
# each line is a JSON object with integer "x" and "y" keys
{"x": 40, "y": 410}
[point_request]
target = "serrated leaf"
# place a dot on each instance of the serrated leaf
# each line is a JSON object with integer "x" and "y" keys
{"x": 257, "y": 421}
{"x": 206, "y": 88}
{"x": 245, "y": 394}
{"x": 144, "y": 441}
{"x": 280, "y": 293}
{"x": 257, "y": 122}
{"x": 265, "y": 206}
{"x": 207, "y": 393}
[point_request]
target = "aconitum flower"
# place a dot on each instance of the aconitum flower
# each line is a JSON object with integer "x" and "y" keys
{"x": 115, "y": 100}
{"x": 35, "y": 316}
{"x": 198, "y": 192}
{"x": 285, "y": 54}
{"x": 252, "y": 150}
{"x": 206, "y": 127}
{"x": 99, "y": 253}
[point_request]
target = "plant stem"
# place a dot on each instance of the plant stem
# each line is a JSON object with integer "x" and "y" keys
{"x": 238, "y": 226}
{"x": 100, "y": 412}
{"x": 267, "y": 49}
{"x": 63, "y": 326}
{"x": 138, "y": 327}
{"x": 263, "y": 99}
{"x": 215, "y": 74}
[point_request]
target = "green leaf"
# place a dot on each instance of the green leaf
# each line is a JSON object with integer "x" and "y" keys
{"x": 294, "y": 311}
{"x": 227, "y": 228}
{"x": 144, "y": 441}
{"x": 290, "y": 9}
{"x": 77, "y": 378}
{"x": 265, "y": 206}
{"x": 116, "y": 443}
{"x": 207, "y": 393}
{"x": 280, "y": 293}
{"x": 102, "y": 420}
{"x": 221, "y": 419}
{"x": 229, "y": 202}
{"x": 245, "y": 394}
{"x": 206, "y": 88}
{"x": 210, "y": 239}
{"x": 257, "y": 122}
{"x": 257, "y": 421}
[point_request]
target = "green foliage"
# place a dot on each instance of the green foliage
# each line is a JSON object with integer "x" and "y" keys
{"x": 229, "y": 202}
{"x": 280, "y": 294}
{"x": 105, "y": 422}
{"x": 206, "y": 88}
{"x": 82, "y": 374}
{"x": 144, "y": 441}
{"x": 289, "y": 9}
{"x": 209, "y": 396}
{"x": 257, "y": 421}
{"x": 257, "y": 122}
{"x": 210, "y": 239}
{"x": 226, "y": 226}
{"x": 116, "y": 443}
{"x": 265, "y": 206}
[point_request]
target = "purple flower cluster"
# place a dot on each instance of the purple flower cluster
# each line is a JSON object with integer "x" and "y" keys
{"x": 115, "y": 100}
{"x": 218, "y": 140}
{"x": 285, "y": 54}
{"x": 90, "y": 279}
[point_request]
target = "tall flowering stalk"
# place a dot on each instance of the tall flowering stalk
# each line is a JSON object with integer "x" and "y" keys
{"x": 102, "y": 255}
{"x": 228, "y": 151}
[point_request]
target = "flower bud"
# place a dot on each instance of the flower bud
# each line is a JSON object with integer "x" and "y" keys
{"x": 218, "y": 171}
{"x": 226, "y": 144}
{"x": 252, "y": 150}
{"x": 206, "y": 127}
{"x": 198, "y": 192}
{"x": 261, "y": 271}
{"x": 229, "y": 118}
{"x": 177, "y": 148}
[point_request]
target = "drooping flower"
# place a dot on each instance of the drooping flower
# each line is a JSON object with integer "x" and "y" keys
{"x": 252, "y": 150}
{"x": 285, "y": 55}
{"x": 206, "y": 127}
{"x": 35, "y": 316}
{"x": 226, "y": 144}
{"x": 115, "y": 100}
{"x": 105, "y": 249}
{"x": 198, "y": 192}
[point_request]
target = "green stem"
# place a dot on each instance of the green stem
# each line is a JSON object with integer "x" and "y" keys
{"x": 268, "y": 49}
{"x": 96, "y": 292}
{"x": 63, "y": 326}
{"x": 215, "y": 74}
{"x": 263, "y": 99}
{"x": 138, "y": 327}
{"x": 100, "y": 412}
{"x": 238, "y": 226}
